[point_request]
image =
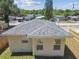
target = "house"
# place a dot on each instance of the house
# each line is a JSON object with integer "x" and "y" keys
{"x": 29, "y": 17}
{"x": 57, "y": 18}
{"x": 68, "y": 26}
{"x": 73, "y": 42}
{"x": 3, "y": 43}
{"x": 61, "y": 18}
{"x": 19, "y": 18}
{"x": 75, "y": 32}
{"x": 3, "y": 26}
{"x": 41, "y": 37}
{"x": 15, "y": 20}
{"x": 40, "y": 17}
{"x": 74, "y": 18}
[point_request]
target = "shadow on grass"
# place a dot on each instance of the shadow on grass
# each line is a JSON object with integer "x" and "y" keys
{"x": 68, "y": 55}
{"x": 22, "y": 54}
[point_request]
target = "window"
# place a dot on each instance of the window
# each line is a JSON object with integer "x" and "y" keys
{"x": 0, "y": 28}
{"x": 57, "y": 41}
{"x": 39, "y": 47}
{"x": 24, "y": 41}
{"x": 56, "y": 47}
{"x": 57, "y": 44}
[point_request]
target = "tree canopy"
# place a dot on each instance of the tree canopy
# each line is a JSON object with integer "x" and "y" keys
{"x": 48, "y": 9}
{"x": 7, "y": 8}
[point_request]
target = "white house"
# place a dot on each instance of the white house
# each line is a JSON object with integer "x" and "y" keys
{"x": 41, "y": 37}
{"x": 29, "y": 17}
{"x": 40, "y": 17}
{"x": 3, "y": 25}
{"x": 15, "y": 20}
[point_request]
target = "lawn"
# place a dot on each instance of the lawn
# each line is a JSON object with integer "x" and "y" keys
{"x": 7, "y": 55}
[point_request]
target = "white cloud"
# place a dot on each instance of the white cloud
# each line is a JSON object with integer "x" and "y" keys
{"x": 27, "y": 2}
{"x": 32, "y": 3}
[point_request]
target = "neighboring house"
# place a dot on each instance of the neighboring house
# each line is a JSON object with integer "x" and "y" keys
{"x": 75, "y": 32}
{"x": 29, "y": 17}
{"x": 68, "y": 26}
{"x": 3, "y": 43}
{"x": 3, "y": 25}
{"x": 15, "y": 20}
{"x": 40, "y": 17}
{"x": 57, "y": 18}
{"x": 41, "y": 37}
{"x": 74, "y": 18}
{"x": 61, "y": 18}
{"x": 19, "y": 18}
{"x": 73, "y": 43}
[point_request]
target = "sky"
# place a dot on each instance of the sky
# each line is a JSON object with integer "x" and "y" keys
{"x": 39, "y": 4}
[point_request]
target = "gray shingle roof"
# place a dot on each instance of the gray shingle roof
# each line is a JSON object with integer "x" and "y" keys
{"x": 37, "y": 28}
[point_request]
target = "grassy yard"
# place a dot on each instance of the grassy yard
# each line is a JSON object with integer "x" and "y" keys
{"x": 7, "y": 55}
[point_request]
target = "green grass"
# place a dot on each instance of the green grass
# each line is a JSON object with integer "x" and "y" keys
{"x": 7, "y": 55}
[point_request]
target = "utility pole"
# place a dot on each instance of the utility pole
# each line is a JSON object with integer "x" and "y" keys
{"x": 73, "y": 5}
{"x": 52, "y": 7}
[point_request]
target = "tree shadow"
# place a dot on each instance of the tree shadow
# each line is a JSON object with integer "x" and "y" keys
{"x": 68, "y": 55}
{"x": 22, "y": 54}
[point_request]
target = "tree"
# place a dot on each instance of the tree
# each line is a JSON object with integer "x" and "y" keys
{"x": 48, "y": 9}
{"x": 14, "y": 10}
{"x": 6, "y": 7}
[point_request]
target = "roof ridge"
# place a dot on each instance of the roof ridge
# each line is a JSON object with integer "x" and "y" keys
{"x": 37, "y": 29}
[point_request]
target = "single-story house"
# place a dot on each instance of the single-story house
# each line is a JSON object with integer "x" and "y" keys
{"x": 40, "y": 17}
{"x": 15, "y": 20}
{"x": 3, "y": 43}
{"x": 61, "y": 18}
{"x": 29, "y": 17}
{"x": 41, "y": 37}
{"x": 19, "y": 18}
{"x": 3, "y": 25}
{"x": 74, "y": 18}
{"x": 75, "y": 32}
{"x": 58, "y": 19}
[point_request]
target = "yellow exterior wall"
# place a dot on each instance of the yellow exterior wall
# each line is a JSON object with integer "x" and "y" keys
{"x": 48, "y": 48}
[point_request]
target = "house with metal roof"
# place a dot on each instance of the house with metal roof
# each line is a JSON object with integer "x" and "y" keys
{"x": 15, "y": 20}
{"x": 41, "y": 37}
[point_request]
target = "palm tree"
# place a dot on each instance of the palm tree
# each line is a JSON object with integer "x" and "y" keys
{"x": 48, "y": 9}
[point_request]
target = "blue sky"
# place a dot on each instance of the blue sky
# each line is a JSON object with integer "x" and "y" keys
{"x": 39, "y": 4}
